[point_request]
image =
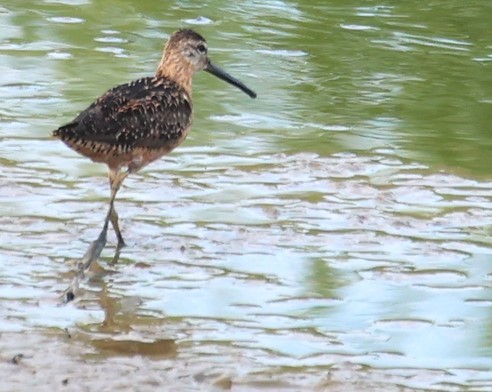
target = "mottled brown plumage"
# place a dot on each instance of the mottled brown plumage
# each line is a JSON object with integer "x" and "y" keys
{"x": 150, "y": 116}
{"x": 134, "y": 124}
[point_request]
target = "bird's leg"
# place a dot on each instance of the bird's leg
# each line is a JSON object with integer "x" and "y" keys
{"x": 95, "y": 249}
{"x": 91, "y": 255}
{"x": 116, "y": 178}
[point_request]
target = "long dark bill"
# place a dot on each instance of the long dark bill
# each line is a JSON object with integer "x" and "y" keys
{"x": 216, "y": 71}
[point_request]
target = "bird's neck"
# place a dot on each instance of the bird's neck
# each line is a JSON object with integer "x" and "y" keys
{"x": 172, "y": 68}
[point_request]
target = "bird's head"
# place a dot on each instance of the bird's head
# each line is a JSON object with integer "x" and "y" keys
{"x": 185, "y": 53}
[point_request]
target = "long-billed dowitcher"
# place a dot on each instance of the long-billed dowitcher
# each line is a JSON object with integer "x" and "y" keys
{"x": 136, "y": 123}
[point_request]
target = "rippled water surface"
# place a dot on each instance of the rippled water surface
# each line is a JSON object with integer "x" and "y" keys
{"x": 333, "y": 234}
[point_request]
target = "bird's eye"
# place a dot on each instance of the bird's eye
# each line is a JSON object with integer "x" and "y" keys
{"x": 201, "y": 48}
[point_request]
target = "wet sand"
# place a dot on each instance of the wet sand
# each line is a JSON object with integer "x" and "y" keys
{"x": 61, "y": 361}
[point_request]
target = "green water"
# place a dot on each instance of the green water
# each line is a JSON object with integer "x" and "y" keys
{"x": 335, "y": 228}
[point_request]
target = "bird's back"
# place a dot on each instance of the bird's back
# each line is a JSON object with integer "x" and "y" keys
{"x": 131, "y": 124}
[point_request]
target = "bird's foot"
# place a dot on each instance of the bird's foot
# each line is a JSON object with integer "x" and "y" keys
{"x": 91, "y": 255}
{"x": 94, "y": 251}
{"x": 121, "y": 243}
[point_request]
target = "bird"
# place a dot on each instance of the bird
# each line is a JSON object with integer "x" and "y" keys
{"x": 136, "y": 123}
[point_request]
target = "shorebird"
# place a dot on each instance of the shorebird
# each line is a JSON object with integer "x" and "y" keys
{"x": 134, "y": 124}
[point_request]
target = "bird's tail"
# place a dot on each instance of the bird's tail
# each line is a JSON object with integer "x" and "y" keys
{"x": 65, "y": 131}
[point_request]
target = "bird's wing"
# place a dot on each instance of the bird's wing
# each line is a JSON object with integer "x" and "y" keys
{"x": 148, "y": 112}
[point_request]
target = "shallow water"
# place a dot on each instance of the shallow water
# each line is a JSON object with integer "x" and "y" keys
{"x": 333, "y": 234}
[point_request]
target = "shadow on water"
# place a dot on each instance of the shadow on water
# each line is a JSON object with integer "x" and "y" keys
{"x": 335, "y": 234}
